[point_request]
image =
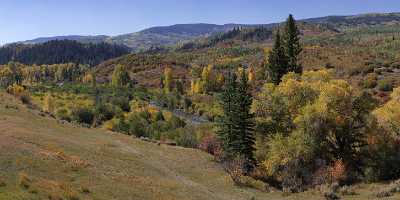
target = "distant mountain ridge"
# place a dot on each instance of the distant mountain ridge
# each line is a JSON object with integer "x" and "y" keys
{"x": 170, "y": 35}
{"x": 79, "y": 38}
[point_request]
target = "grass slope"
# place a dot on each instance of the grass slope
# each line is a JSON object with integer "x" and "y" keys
{"x": 43, "y": 159}
{"x": 57, "y": 160}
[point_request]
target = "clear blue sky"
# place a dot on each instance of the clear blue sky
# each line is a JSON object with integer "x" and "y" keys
{"x": 28, "y": 19}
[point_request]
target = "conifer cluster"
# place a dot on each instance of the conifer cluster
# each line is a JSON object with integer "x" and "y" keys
{"x": 285, "y": 53}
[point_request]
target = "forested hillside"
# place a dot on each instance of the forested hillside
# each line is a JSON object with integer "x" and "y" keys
{"x": 174, "y": 34}
{"x": 61, "y": 51}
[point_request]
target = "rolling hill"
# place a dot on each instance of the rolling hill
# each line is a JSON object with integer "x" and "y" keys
{"x": 170, "y": 35}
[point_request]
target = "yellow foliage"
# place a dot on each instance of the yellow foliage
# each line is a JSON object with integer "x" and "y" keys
{"x": 296, "y": 145}
{"x": 389, "y": 114}
{"x": 220, "y": 79}
{"x": 251, "y": 76}
{"x": 48, "y": 104}
{"x": 302, "y": 110}
{"x": 15, "y": 90}
{"x": 168, "y": 79}
{"x": 197, "y": 86}
{"x": 240, "y": 71}
{"x": 89, "y": 78}
{"x": 139, "y": 106}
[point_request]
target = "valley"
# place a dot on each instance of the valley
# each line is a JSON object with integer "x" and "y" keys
{"x": 300, "y": 109}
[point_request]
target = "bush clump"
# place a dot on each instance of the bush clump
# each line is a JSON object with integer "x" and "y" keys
{"x": 82, "y": 115}
{"x": 308, "y": 118}
{"x": 385, "y": 85}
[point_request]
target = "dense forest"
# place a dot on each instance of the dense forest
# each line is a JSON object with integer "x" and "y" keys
{"x": 61, "y": 51}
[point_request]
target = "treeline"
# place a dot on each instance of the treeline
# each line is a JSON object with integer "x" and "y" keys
{"x": 61, "y": 51}
{"x": 17, "y": 73}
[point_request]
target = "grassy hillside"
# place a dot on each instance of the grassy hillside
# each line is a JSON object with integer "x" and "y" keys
{"x": 43, "y": 159}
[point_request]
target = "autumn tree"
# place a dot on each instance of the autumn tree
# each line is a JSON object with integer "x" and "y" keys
{"x": 168, "y": 79}
{"x": 208, "y": 79}
{"x": 11, "y": 74}
{"x": 48, "y": 103}
{"x": 312, "y": 116}
{"x": 120, "y": 77}
{"x": 90, "y": 78}
{"x": 389, "y": 114}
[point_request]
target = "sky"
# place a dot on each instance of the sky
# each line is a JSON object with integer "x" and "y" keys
{"x": 29, "y": 19}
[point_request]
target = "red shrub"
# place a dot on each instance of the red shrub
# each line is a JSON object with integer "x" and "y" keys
{"x": 338, "y": 171}
{"x": 211, "y": 145}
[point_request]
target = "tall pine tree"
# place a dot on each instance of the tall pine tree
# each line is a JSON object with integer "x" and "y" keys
{"x": 244, "y": 119}
{"x": 226, "y": 124}
{"x": 277, "y": 60}
{"x": 237, "y": 124}
{"x": 291, "y": 40}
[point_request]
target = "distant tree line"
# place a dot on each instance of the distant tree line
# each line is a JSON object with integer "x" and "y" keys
{"x": 17, "y": 73}
{"x": 61, "y": 51}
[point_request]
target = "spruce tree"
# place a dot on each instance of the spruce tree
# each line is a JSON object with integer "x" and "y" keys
{"x": 236, "y": 127}
{"x": 244, "y": 119}
{"x": 277, "y": 60}
{"x": 291, "y": 40}
{"x": 226, "y": 132}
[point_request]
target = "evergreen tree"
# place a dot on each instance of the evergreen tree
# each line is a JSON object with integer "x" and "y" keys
{"x": 244, "y": 119}
{"x": 179, "y": 87}
{"x": 291, "y": 40}
{"x": 277, "y": 60}
{"x": 237, "y": 124}
{"x": 226, "y": 131}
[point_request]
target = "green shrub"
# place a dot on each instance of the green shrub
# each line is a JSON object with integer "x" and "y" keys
{"x": 176, "y": 122}
{"x": 186, "y": 138}
{"x": 385, "y": 85}
{"x": 121, "y": 101}
{"x": 63, "y": 114}
{"x": 116, "y": 124}
{"x": 82, "y": 115}
{"x": 104, "y": 112}
{"x": 370, "y": 81}
{"x": 25, "y": 98}
{"x": 138, "y": 124}
{"x": 384, "y": 161}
